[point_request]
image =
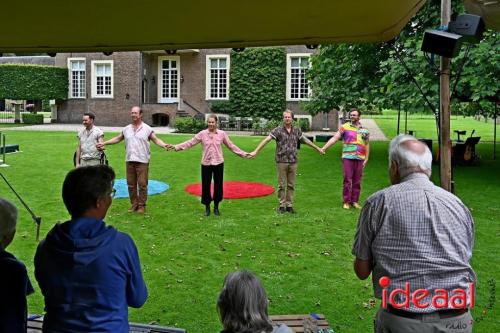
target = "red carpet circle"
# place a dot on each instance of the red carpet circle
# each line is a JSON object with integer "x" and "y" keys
{"x": 236, "y": 190}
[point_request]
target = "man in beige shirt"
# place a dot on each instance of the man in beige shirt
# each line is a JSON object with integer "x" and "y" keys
{"x": 86, "y": 151}
{"x": 137, "y": 136}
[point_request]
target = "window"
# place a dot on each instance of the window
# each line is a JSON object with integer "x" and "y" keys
{"x": 297, "y": 87}
{"x": 168, "y": 76}
{"x": 102, "y": 79}
{"x": 217, "y": 77}
{"x": 77, "y": 79}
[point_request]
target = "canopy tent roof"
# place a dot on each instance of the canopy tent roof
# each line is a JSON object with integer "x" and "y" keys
{"x": 124, "y": 25}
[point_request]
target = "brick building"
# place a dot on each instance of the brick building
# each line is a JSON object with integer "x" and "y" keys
{"x": 166, "y": 86}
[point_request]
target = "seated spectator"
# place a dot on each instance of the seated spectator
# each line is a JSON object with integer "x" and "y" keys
{"x": 242, "y": 306}
{"x": 14, "y": 281}
{"x": 89, "y": 273}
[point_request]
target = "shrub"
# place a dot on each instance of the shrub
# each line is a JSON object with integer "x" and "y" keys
{"x": 189, "y": 125}
{"x": 221, "y": 107}
{"x": 303, "y": 124}
{"x": 32, "y": 118}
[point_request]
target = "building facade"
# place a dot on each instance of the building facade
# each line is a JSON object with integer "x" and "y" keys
{"x": 166, "y": 85}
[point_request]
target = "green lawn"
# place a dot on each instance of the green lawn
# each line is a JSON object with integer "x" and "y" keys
{"x": 304, "y": 260}
{"x": 425, "y": 126}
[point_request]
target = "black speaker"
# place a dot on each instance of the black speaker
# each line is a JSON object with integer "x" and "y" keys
{"x": 441, "y": 43}
{"x": 471, "y": 27}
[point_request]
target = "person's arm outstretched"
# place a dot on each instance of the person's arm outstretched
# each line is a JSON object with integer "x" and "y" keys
{"x": 189, "y": 143}
{"x": 332, "y": 141}
{"x": 157, "y": 141}
{"x": 234, "y": 148}
{"x": 260, "y": 146}
{"x": 311, "y": 144}
{"x": 112, "y": 141}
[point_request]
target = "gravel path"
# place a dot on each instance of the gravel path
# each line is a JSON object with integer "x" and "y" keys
{"x": 375, "y": 133}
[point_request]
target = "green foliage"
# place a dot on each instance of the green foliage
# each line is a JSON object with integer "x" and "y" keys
{"x": 189, "y": 125}
{"x": 46, "y": 105}
{"x": 258, "y": 83}
{"x": 342, "y": 75}
{"x": 32, "y": 118}
{"x": 304, "y": 124}
{"x": 33, "y": 82}
{"x": 221, "y": 107}
{"x": 373, "y": 76}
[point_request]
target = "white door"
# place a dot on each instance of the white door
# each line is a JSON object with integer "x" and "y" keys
{"x": 168, "y": 79}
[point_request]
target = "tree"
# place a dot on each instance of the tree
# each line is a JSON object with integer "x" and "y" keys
{"x": 377, "y": 76}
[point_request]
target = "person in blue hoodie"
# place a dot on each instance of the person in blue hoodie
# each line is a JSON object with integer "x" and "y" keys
{"x": 88, "y": 272}
{"x": 14, "y": 281}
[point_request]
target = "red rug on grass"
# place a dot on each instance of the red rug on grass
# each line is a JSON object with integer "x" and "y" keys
{"x": 236, "y": 190}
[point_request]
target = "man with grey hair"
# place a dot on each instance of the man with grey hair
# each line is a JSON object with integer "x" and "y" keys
{"x": 14, "y": 281}
{"x": 416, "y": 239}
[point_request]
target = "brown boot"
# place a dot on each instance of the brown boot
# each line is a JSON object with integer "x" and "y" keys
{"x": 141, "y": 210}
{"x": 132, "y": 209}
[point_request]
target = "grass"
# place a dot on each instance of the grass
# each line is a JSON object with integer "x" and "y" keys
{"x": 425, "y": 126}
{"x": 304, "y": 260}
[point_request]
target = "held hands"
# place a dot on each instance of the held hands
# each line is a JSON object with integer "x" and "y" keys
{"x": 251, "y": 155}
{"x": 100, "y": 146}
{"x": 169, "y": 146}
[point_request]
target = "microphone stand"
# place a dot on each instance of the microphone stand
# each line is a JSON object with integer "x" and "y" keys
{"x": 36, "y": 219}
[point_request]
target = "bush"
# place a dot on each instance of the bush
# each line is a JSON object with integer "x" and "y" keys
{"x": 304, "y": 124}
{"x": 221, "y": 107}
{"x": 189, "y": 125}
{"x": 32, "y": 118}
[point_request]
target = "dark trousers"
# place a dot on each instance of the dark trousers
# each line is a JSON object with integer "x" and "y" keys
{"x": 207, "y": 173}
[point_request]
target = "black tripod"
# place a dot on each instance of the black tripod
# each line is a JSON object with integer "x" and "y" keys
{"x": 36, "y": 219}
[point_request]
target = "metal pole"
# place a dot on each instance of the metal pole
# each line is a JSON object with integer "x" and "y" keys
{"x": 399, "y": 117}
{"x": 406, "y": 121}
{"x": 495, "y": 133}
{"x": 3, "y": 145}
{"x": 444, "y": 107}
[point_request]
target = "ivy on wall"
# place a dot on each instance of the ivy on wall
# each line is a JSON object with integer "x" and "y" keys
{"x": 19, "y": 81}
{"x": 257, "y": 84}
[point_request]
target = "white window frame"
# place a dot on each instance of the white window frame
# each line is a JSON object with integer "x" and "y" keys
{"x": 160, "y": 79}
{"x": 289, "y": 76}
{"x": 208, "y": 86}
{"x": 94, "y": 78}
{"x": 70, "y": 79}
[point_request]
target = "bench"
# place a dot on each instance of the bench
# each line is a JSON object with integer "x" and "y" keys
{"x": 296, "y": 322}
{"x": 323, "y": 137}
{"x": 9, "y": 149}
{"x": 35, "y": 326}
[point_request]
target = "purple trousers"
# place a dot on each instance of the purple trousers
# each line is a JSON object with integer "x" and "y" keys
{"x": 353, "y": 171}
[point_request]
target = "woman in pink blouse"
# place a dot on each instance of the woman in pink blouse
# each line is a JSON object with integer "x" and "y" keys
{"x": 212, "y": 161}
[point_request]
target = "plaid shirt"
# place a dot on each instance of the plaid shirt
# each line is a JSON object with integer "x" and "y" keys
{"x": 286, "y": 143}
{"x": 419, "y": 233}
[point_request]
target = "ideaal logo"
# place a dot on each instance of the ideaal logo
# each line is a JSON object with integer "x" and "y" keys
{"x": 440, "y": 298}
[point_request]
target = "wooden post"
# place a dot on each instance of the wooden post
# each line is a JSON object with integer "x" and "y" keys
{"x": 495, "y": 132}
{"x": 444, "y": 107}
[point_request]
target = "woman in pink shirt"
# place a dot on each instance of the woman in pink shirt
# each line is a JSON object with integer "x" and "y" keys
{"x": 212, "y": 161}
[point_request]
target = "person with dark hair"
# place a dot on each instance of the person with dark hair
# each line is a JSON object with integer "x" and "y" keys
{"x": 86, "y": 151}
{"x": 137, "y": 136}
{"x": 287, "y": 138}
{"x": 242, "y": 306}
{"x": 212, "y": 161}
{"x": 89, "y": 273}
{"x": 15, "y": 284}
{"x": 355, "y": 153}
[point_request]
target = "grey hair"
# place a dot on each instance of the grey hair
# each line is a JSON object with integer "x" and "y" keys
{"x": 8, "y": 218}
{"x": 409, "y": 161}
{"x": 242, "y": 304}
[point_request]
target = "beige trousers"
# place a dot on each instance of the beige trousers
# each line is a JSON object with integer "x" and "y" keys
{"x": 286, "y": 183}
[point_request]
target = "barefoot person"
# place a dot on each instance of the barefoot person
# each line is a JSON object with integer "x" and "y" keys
{"x": 137, "y": 136}
{"x": 287, "y": 138}
{"x": 355, "y": 153}
{"x": 212, "y": 161}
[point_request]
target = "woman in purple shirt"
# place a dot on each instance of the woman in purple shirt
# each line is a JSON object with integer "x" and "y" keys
{"x": 212, "y": 161}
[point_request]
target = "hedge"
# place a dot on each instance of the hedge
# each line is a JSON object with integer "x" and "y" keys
{"x": 32, "y": 118}
{"x": 19, "y": 81}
